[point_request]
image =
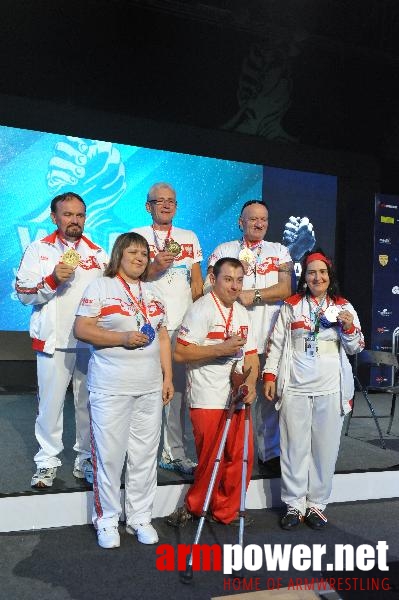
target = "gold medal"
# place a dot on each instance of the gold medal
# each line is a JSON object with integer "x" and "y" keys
{"x": 71, "y": 258}
{"x": 246, "y": 255}
{"x": 172, "y": 247}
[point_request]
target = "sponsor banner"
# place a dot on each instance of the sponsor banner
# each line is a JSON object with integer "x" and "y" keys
{"x": 385, "y": 303}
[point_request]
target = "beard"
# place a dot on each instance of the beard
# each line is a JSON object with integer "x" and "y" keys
{"x": 74, "y": 231}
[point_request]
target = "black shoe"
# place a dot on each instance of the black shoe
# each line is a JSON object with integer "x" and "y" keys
{"x": 179, "y": 518}
{"x": 270, "y": 468}
{"x": 315, "y": 518}
{"x": 292, "y": 519}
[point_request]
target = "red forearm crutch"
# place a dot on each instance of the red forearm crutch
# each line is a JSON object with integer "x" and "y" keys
{"x": 239, "y": 391}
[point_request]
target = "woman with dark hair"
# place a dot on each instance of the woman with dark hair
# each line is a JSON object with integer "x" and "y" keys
{"x": 129, "y": 380}
{"x": 308, "y": 370}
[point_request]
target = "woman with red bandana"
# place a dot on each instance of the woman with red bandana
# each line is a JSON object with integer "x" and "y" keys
{"x": 308, "y": 370}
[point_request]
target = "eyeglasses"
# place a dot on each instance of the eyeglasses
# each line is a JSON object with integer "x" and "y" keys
{"x": 162, "y": 202}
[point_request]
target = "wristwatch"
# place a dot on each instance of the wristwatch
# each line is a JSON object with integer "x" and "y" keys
{"x": 257, "y": 297}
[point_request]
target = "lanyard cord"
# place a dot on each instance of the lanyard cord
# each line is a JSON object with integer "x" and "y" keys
{"x": 227, "y": 322}
{"x": 256, "y": 253}
{"x": 315, "y": 314}
{"x": 156, "y": 239}
{"x": 64, "y": 243}
{"x": 139, "y": 303}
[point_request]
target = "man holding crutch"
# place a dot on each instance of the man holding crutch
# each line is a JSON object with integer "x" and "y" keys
{"x": 215, "y": 334}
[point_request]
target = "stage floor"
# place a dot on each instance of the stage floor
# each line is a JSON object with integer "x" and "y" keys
{"x": 360, "y": 451}
{"x": 67, "y": 564}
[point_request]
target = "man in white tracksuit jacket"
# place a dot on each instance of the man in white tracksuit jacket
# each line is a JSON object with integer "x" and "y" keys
{"x": 54, "y": 289}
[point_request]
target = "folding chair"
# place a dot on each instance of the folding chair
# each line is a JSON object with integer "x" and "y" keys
{"x": 370, "y": 359}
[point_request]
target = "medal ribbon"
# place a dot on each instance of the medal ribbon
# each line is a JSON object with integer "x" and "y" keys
{"x": 64, "y": 243}
{"x": 139, "y": 303}
{"x": 65, "y": 247}
{"x": 227, "y": 322}
{"x": 168, "y": 235}
{"x": 257, "y": 245}
{"x": 315, "y": 314}
{"x": 256, "y": 252}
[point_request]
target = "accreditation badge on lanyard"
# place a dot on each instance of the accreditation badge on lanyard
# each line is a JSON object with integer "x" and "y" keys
{"x": 311, "y": 347}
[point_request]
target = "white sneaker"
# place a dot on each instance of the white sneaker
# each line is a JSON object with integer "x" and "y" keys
{"x": 108, "y": 537}
{"x": 146, "y": 534}
{"x": 83, "y": 470}
{"x": 44, "y": 477}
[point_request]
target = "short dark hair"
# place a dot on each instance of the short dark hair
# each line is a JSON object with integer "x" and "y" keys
{"x": 333, "y": 288}
{"x": 122, "y": 242}
{"x": 65, "y": 196}
{"x": 234, "y": 262}
{"x": 249, "y": 202}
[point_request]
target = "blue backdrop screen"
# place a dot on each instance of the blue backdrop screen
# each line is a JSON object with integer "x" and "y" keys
{"x": 114, "y": 179}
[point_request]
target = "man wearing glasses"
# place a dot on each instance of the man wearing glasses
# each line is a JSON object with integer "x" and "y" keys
{"x": 267, "y": 281}
{"x": 176, "y": 275}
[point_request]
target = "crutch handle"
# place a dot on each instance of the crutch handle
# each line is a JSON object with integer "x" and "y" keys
{"x": 237, "y": 378}
{"x": 242, "y": 392}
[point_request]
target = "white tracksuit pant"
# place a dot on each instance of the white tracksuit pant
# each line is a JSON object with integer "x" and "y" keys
{"x": 54, "y": 372}
{"x": 267, "y": 422}
{"x": 310, "y": 430}
{"x": 119, "y": 425}
{"x": 174, "y": 426}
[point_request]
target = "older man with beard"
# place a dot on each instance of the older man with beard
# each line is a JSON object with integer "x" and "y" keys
{"x": 52, "y": 276}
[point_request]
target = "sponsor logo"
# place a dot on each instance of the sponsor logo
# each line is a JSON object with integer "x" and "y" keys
{"x": 44, "y": 258}
{"x": 381, "y": 379}
{"x": 383, "y": 259}
{"x": 384, "y": 312}
{"x": 395, "y": 289}
{"x": 388, "y": 206}
{"x": 85, "y": 301}
{"x": 389, "y": 220}
{"x": 384, "y": 240}
{"x": 383, "y": 330}
{"x": 384, "y": 348}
